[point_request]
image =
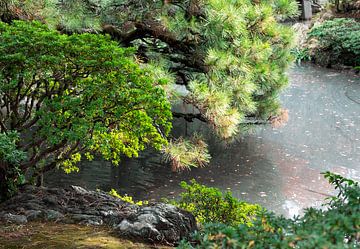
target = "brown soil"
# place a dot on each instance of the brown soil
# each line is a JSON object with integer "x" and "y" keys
{"x": 48, "y": 235}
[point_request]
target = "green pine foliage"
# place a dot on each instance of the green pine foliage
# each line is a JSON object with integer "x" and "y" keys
{"x": 185, "y": 153}
{"x": 334, "y": 227}
{"x": 29, "y": 10}
{"x": 286, "y": 9}
{"x": 74, "y": 96}
{"x": 77, "y": 16}
{"x": 245, "y": 52}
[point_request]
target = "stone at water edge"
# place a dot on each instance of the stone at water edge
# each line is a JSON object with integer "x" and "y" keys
{"x": 158, "y": 223}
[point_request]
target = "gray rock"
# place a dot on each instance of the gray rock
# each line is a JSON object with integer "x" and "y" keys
{"x": 33, "y": 215}
{"x": 158, "y": 223}
{"x": 94, "y": 221}
{"x": 13, "y": 218}
{"x": 53, "y": 215}
{"x": 87, "y": 219}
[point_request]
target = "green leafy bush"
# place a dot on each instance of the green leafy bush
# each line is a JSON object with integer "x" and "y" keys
{"x": 335, "y": 226}
{"x": 211, "y": 205}
{"x": 9, "y": 154}
{"x": 338, "y": 42}
{"x": 75, "y": 96}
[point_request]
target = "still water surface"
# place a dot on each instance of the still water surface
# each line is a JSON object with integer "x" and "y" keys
{"x": 278, "y": 168}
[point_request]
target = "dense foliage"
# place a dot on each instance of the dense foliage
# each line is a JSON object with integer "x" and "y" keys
{"x": 229, "y": 57}
{"x": 10, "y": 154}
{"x": 63, "y": 97}
{"x": 211, "y": 205}
{"x": 74, "y": 93}
{"x": 335, "y": 226}
{"x": 338, "y": 42}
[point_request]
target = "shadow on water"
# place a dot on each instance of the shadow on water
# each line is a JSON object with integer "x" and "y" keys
{"x": 276, "y": 167}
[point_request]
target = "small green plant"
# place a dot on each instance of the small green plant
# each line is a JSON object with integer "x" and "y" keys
{"x": 211, "y": 205}
{"x": 348, "y": 190}
{"x": 127, "y": 198}
{"x": 300, "y": 55}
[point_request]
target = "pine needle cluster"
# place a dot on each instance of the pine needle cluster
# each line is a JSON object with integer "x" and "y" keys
{"x": 185, "y": 153}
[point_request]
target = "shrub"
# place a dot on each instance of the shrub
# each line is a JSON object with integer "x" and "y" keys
{"x": 339, "y": 41}
{"x": 74, "y": 96}
{"x": 211, "y": 205}
{"x": 337, "y": 226}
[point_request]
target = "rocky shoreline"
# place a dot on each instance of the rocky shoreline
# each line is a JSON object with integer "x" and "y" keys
{"x": 154, "y": 223}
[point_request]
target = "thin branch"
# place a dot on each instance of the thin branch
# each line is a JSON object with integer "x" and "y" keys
{"x": 42, "y": 155}
{"x": 189, "y": 116}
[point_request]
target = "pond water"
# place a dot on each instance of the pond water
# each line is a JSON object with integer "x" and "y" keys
{"x": 278, "y": 168}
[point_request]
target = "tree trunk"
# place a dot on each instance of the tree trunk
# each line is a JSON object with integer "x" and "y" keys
{"x": 3, "y": 183}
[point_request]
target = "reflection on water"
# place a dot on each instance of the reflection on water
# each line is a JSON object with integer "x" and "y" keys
{"x": 276, "y": 167}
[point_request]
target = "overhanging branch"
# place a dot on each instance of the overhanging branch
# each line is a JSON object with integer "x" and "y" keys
{"x": 189, "y": 116}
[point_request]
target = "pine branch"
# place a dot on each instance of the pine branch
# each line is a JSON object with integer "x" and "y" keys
{"x": 189, "y": 116}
